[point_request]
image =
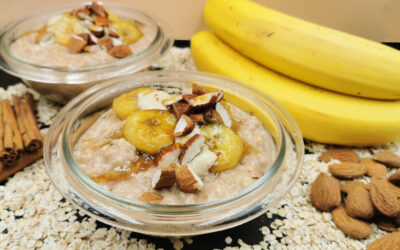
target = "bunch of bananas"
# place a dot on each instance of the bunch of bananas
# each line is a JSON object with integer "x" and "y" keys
{"x": 339, "y": 88}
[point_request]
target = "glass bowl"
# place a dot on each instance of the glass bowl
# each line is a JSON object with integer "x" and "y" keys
{"x": 60, "y": 84}
{"x": 174, "y": 220}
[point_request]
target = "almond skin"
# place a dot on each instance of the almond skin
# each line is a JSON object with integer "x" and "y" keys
{"x": 150, "y": 197}
{"x": 343, "y": 155}
{"x": 348, "y": 186}
{"x": 385, "y": 223}
{"x": 359, "y": 204}
{"x": 351, "y": 227}
{"x": 348, "y": 170}
{"x": 395, "y": 178}
{"x": 387, "y": 242}
{"x": 385, "y": 196}
{"x": 325, "y": 193}
{"x": 388, "y": 158}
{"x": 374, "y": 168}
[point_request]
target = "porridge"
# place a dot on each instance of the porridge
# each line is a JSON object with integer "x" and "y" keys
{"x": 185, "y": 148}
{"x": 83, "y": 37}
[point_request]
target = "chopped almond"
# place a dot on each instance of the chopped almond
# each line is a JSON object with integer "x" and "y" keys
{"x": 111, "y": 32}
{"x": 203, "y": 161}
{"x": 184, "y": 126}
{"x": 198, "y": 90}
{"x": 168, "y": 156}
{"x": 43, "y": 37}
{"x": 96, "y": 30}
{"x": 76, "y": 44}
{"x": 163, "y": 178}
{"x": 188, "y": 97}
{"x": 150, "y": 197}
{"x": 212, "y": 116}
{"x": 187, "y": 180}
{"x": 206, "y": 100}
{"x": 101, "y": 21}
{"x": 92, "y": 39}
{"x": 180, "y": 108}
{"x": 98, "y": 9}
{"x": 191, "y": 148}
{"x": 173, "y": 99}
{"x": 90, "y": 48}
{"x": 84, "y": 36}
{"x": 83, "y": 14}
{"x": 120, "y": 51}
{"x": 224, "y": 114}
{"x": 198, "y": 119}
{"x": 105, "y": 42}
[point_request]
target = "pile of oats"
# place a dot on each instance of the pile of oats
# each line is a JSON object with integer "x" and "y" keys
{"x": 34, "y": 215}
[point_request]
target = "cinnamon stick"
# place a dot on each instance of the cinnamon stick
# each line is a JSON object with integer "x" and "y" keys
{"x": 28, "y": 97}
{"x": 9, "y": 118}
{"x": 2, "y": 151}
{"x": 31, "y": 137}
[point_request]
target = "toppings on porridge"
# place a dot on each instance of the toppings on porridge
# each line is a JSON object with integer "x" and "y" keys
{"x": 196, "y": 140}
{"x": 93, "y": 32}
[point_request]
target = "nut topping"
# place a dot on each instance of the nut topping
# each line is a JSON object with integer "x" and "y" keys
{"x": 180, "y": 108}
{"x": 198, "y": 90}
{"x": 203, "y": 161}
{"x": 76, "y": 44}
{"x": 224, "y": 114}
{"x": 198, "y": 119}
{"x": 168, "y": 156}
{"x": 206, "y": 100}
{"x": 102, "y": 21}
{"x": 173, "y": 99}
{"x": 163, "y": 178}
{"x": 106, "y": 43}
{"x": 150, "y": 197}
{"x": 96, "y": 30}
{"x": 184, "y": 126}
{"x": 120, "y": 51}
{"x": 191, "y": 148}
{"x": 187, "y": 180}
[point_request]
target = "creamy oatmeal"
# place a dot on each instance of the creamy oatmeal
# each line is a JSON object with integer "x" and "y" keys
{"x": 211, "y": 160}
{"x": 80, "y": 38}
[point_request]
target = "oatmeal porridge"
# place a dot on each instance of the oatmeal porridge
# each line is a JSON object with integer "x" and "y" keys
{"x": 83, "y": 37}
{"x": 186, "y": 148}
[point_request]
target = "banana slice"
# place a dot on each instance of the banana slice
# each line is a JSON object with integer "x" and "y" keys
{"x": 150, "y": 130}
{"x": 65, "y": 27}
{"x": 225, "y": 143}
{"x": 128, "y": 31}
{"x": 125, "y": 104}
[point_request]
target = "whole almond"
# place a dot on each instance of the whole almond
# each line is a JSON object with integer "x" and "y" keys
{"x": 388, "y": 158}
{"x": 359, "y": 204}
{"x": 351, "y": 227}
{"x": 385, "y": 196}
{"x": 350, "y": 185}
{"x": 395, "y": 178}
{"x": 348, "y": 170}
{"x": 387, "y": 242}
{"x": 343, "y": 155}
{"x": 385, "y": 223}
{"x": 374, "y": 168}
{"x": 325, "y": 192}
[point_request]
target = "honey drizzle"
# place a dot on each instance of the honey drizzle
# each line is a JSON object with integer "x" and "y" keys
{"x": 142, "y": 163}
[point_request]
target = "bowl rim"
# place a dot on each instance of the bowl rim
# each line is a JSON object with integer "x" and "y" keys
{"x": 159, "y": 46}
{"x": 97, "y": 91}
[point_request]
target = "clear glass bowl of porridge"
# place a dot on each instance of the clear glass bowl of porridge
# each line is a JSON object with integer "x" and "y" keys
{"x": 59, "y": 75}
{"x": 179, "y": 214}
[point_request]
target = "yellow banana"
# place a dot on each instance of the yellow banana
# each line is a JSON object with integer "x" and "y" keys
{"x": 322, "y": 115}
{"x": 318, "y": 55}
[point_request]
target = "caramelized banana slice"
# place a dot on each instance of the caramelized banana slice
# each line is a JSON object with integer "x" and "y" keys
{"x": 150, "y": 130}
{"x": 65, "y": 27}
{"x": 128, "y": 31}
{"x": 125, "y": 104}
{"x": 225, "y": 143}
